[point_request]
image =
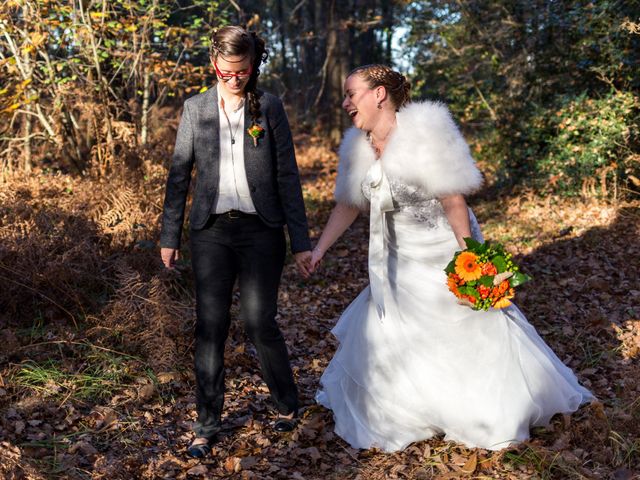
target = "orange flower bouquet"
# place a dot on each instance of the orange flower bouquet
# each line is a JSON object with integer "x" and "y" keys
{"x": 483, "y": 276}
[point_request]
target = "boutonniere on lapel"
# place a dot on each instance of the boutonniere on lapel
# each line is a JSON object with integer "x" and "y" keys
{"x": 256, "y": 132}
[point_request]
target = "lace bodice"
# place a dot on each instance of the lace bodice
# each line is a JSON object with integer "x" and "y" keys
{"x": 411, "y": 200}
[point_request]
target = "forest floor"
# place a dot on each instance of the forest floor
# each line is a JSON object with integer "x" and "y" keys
{"x": 96, "y": 339}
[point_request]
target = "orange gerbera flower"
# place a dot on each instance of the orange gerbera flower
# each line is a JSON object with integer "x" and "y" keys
{"x": 467, "y": 266}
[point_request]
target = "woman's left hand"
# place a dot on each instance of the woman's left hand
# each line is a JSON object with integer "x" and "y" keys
{"x": 303, "y": 261}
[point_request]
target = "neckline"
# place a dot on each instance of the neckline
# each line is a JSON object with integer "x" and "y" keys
{"x": 377, "y": 152}
{"x": 222, "y": 101}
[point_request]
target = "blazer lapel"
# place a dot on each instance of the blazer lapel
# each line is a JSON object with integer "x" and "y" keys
{"x": 251, "y": 152}
{"x": 210, "y": 135}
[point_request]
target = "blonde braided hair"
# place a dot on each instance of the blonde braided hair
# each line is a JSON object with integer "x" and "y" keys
{"x": 377, "y": 75}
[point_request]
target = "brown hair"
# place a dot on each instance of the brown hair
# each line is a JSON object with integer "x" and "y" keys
{"x": 377, "y": 75}
{"x": 236, "y": 41}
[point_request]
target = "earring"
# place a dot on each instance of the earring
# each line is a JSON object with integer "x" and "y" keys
{"x": 379, "y": 105}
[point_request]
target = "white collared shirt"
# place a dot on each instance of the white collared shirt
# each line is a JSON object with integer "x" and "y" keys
{"x": 233, "y": 187}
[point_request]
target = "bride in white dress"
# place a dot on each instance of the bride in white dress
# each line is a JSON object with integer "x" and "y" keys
{"x": 412, "y": 362}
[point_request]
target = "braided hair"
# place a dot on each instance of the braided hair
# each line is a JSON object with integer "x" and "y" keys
{"x": 236, "y": 41}
{"x": 377, "y": 75}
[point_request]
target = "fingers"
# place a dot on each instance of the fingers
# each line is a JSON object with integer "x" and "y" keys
{"x": 304, "y": 269}
{"x": 166, "y": 261}
{"x": 316, "y": 258}
{"x": 303, "y": 262}
{"x": 169, "y": 257}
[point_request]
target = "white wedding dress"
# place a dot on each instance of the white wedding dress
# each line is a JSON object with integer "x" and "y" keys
{"x": 413, "y": 363}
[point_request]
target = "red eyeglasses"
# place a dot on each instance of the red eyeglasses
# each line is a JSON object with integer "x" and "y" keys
{"x": 225, "y": 77}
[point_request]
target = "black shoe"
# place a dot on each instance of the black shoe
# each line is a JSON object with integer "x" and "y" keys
{"x": 200, "y": 450}
{"x": 283, "y": 424}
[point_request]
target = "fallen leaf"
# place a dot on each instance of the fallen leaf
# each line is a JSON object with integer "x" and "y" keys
{"x": 624, "y": 474}
{"x": 248, "y": 462}
{"x": 471, "y": 464}
{"x": 232, "y": 464}
{"x": 19, "y": 427}
{"x": 146, "y": 392}
{"x": 198, "y": 470}
{"x": 107, "y": 418}
{"x": 166, "y": 377}
{"x": 314, "y": 453}
{"x": 83, "y": 447}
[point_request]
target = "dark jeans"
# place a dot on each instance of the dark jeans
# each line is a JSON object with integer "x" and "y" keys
{"x": 246, "y": 249}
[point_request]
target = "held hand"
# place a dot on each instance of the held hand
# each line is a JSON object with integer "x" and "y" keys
{"x": 316, "y": 258}
{"x": 169, "y": 257}
{"x": 303, "y": 262}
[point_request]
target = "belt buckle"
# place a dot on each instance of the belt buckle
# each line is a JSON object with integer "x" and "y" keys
{"x": 233, "y": 214}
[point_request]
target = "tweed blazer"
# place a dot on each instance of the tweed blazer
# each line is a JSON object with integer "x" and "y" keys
{"x": 271, "y": 169}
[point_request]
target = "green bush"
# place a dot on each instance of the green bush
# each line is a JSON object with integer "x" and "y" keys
{"x": 575, "y": 145}
{"x": 591, "y": 148}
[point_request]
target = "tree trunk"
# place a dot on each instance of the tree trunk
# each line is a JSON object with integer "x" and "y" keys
{"x": 387, "y": 15}
{"x": 338, "y": 70}
{"x": 27, "y": 140}
{"x": 283, "y": 43}
{"x": 27, "y": 116}
{"x": 144, "y": 121}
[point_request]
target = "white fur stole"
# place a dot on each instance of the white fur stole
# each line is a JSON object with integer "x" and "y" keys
{"x": 426, "y": 150}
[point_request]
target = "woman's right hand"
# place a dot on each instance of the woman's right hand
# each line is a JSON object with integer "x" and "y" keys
{"x": 342, "y": 216}
{"x": 316, "y": 258}
{"x": 169, "y": 257}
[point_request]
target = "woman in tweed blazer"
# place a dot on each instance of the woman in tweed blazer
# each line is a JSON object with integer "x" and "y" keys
{"x": 248, "y": 188}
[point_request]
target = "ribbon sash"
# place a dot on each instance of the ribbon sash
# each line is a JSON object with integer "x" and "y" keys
{"x": 381, "y": 202}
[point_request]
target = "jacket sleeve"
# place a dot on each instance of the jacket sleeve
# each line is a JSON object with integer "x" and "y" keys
{"x": 178, "y": 183}
{"x": 288, "y": 180}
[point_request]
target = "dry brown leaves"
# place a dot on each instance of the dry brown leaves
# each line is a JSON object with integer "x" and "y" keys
{"x": 82, "y": 250}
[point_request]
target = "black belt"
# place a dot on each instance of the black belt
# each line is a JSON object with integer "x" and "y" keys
{"x": 233, "y": 214}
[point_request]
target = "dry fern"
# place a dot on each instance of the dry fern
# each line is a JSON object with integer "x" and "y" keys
{"x": 55, "y": 257}
{"x": 119, "y": 216}
{"x": 146, "y": 312}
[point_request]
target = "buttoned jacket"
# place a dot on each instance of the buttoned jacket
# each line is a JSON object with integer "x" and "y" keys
{"x": 271, "y": 169}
